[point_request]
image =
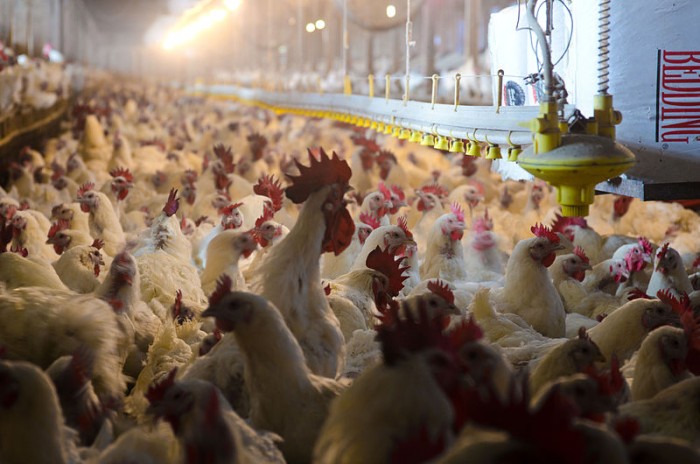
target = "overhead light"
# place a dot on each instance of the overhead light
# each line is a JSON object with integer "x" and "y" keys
{"x": 192, "y": 29}
{"x": 310, "y": 27}
{"x": 390, "y": 11}
{"x": 320, "y": 24}
{"x": 232, "y": 4}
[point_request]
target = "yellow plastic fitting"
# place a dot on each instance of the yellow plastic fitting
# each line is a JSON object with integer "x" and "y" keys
{"x": 416, "y": 137}
{"x": 605, "y": 115}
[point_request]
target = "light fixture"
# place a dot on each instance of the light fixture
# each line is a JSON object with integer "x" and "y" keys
{"x": 310, "y": 27}
{"x": 390, "y": 11}
{"x": 232, "y": 4}
{"x": 320, "y": 24}
{"x": 193, "y": 28}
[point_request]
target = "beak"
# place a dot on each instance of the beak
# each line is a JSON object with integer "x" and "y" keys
{"x": 388, "y": 205}
{"x": 410, "y": 241}
{"x": 586, "y": 267}
{"x": 452, "y": 309}
{"x": 211, "y": 312}
{"x": 557, "y": 247}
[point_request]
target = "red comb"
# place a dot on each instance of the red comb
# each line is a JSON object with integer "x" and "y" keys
{"x": 578, "y": 251}
{"x": 384, "y": 155}
{"x": 266, "y": 216}
{"x": 385, "y": 191}
{"x": 224, "y": 154}
{"x": 540, "y": 230}
{"x": 223, "y": 288}
{"x": 370, "y": 220}
{"x": 467, "y": 331}
{"x": 399, "y": 192}
{"x": 561, "y": 223}
{"x": 327, "y": 289}
{"x": 98, "y": 243}
{"x": 269, "y": 187}
{"x": 226, "y": 210}
{"x": 457, "y": 211}
{"x": 123, "y": 172}
{"x": 200, "y": 220}
{"x": 582, "y": 335}
{"x": 172, "y": 204}
{"x": 646, "y": 245}
{"x": 87, "y": 186}
{"x": 257, "y": 144}
{"x": 435, "y": 189}
{"x": 59, "y": 225}
{"x": 384, "y": 262}
{"x": 609, "y": 383}
{"x": 189, "y": 177}
{"x": 679, "y": 305}
{"x": 441, "y": 289}
{"x": 416, "y": 332}
{"x": 156, "y": 392}
{"x": 661, "y": 253}
{"x": 696, "y": 262}
{"x": 402, "y": 222}
{"x": 326, "y": 171}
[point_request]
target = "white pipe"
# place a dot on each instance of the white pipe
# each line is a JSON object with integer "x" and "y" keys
{"x": 547, "y": 68}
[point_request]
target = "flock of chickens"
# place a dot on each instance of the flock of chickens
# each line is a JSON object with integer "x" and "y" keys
{"x": 181, "y": 280}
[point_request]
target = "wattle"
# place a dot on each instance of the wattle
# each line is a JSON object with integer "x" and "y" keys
{"x": 84, "y": 208}
{"x": 579, "y": 275}
{"x": 456, "y": 235}
{"x": 339, "y": 232}
{"x": 548, "y": 260}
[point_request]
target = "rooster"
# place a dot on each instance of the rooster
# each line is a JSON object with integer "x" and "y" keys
{"x": 291, "y": 270}
{"x": 289, "y": 390}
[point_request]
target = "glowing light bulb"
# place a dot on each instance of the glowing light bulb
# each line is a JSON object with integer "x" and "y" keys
{"x": 320, "y": 24}
{"x": 232, "y": 4}
{"x": 390, "y": 11}
{"x": 310, "y": 27}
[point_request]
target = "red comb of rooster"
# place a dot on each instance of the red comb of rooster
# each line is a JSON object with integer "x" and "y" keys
{"x": 156, "y": 392}
{"x": 661, "y": 253}
{"x": 257, "y": 144}
{"x": 384, "y": 262}
{"x": 609, "y": 383}
{"x": 224, "y": 154}
{"x": 561, "y": 223}
{"x": 326, "y": 171}
{"x": 540, "y": 230}
{"x": 189, "y": 177}
{"x": 268, "y": 187}
{"x": 172, "y": 204}
{"x": 266, "y": 216}
{"x": 398, "y": 191}
{"x": 87, "y": 186}
{"x": 457, "y": 211}
{"x": 435, "y": 189}
{"x": 57, "y": 226}
{"x": 402, "y": 222}
{"x": 679, "y": 305}
{"x": 226, "y": 210}
{"x": 370, "y": 220}
{"x": 223, "y": 287}
{"x": 646, "y": 245}
{"x": 441, "y": 289}
{"x": 385, "y": 191}
{"x": 466, "y": 332}
{"x": 98, "y": 243}
{"x": 578, "y": 251}
{"x": 123, "y": 172}
{"x": 414, "y": 333}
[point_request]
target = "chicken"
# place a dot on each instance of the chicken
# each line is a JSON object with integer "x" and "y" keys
{"x": 31, "y": 415}
{"x": 164, "y": 246}
{"x": 528, "y": 290}
{"x": 104, "y": 223}
{"x": 635, "y": 319}
{"x": 72, "y": 212}
{"x": 59, "y": 322}
{"x": 79, "y": 268}
{"x": 669, "y": 273}
{"x": 444, "y": 255}
{"x": 17, "y": 271}
{"x": 288, "y": 400}
{"x": 571, "y": 357}
{"x": 660, "y": 362}
{"x": 63, "y": 238}
{"x": 267, "y": 233}
{"x": 291, "y": 272}
{"x": 28, "y": 233}
{"x": 223, "y": 254}
{"x": 376, "y": 205}
{"x": 396, "y": 239}
{"x": 208, "y": 429}
{"x": 483, "y": 259}
{"x": 670, "y": 413}
{"x": 394, "y": 423}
